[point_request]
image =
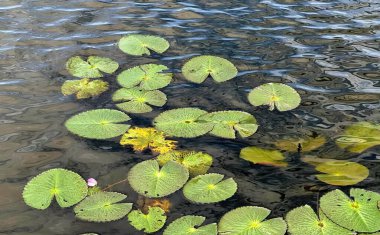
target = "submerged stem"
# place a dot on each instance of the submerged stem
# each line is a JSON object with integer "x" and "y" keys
{"x": 111, "y": 185}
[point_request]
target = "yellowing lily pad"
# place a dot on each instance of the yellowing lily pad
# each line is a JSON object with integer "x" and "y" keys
{"x": 263, "y": 156}
{"x": 360, "y": 137}
{"x": 91, "y": 68}
{"x": 199, "y": 68}
{"x": 276, "y": 95}
{"x": 143, "y": 138}
{"x": 342, "y": 173}
{"x": 305, "y": 145}
{"x": 134, "y": 100}
{"x": 197, "y": 163}
{"x": 138, "y": 44}
{"x": 84, "y": 88}
{"x": 146, "y": 77}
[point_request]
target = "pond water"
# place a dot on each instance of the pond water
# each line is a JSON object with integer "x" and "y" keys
{"x": 328, "y": 50}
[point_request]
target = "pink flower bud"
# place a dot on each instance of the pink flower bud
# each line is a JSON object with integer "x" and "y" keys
{"x": 92, "y": 182}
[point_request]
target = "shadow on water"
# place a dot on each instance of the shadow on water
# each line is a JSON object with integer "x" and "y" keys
{"x": 327, "y": 50}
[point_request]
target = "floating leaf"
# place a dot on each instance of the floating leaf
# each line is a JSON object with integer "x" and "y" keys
{"x": 360, "y": 137}
{"x": 278, "y": 95}
{"x": 147, "y": 179}
{"x": 98, "y": 124}
{"x": 135, "y": 100}
{"x": 66, "y": 186}
{"x": 227, "y": 122}
{"x": 249, "y": 220}
{"x": 183, "y": 122}
{"x": 303, "y": 220}
{"x": 103, "y": 207}
{"x": 342, "y": 173}
{"x": 138, "y": 44}
{"x": 84, "y": 88}
{"x": 90, "y": 69}
{"x": 190, "y": 225}
{"x": 209, "y": 188}
{"x": 263, "y": 156}
{"x": 197, "y": 163}
{"x": 149, "y": 223}
{"x": 146, "y": 77}
{"x": 197, "y": 69}
{"x": 359, "y": 214}
{"x": 305, "y": 145}
{"x": 143, "y": 138}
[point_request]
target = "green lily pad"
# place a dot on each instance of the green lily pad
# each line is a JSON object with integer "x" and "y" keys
{"x": 98, "y": 124}
{"x": 306, "y": 144}
{"x": 183, "y": 122}
{"x": 146, "y": 77}
{"x": 103, "y": 207}
{"x": 226, "y": 123}
{"x": 197, "y": 163}
{"x": 91, "y": 68}
{"x": 360, "y": 137}
{"x": 278, "y": 95}
{"x": 263, "y": 156}
{"x": 303, "y": 220}
{"x": 149, "y": 223}
{"x": 66, "y": 186}
{"x": 84, "y": 88}
{"x": 135, "y": 100}
{"x": 190, "y": 225}
{"x": 138, "y": 44}
{"x": 147, "y": 179}
{"x": 209, "y": 188}
{"x": 250, "y": 220}
{"x": 359, "y": 214}
{"x": 342, "y": 173}
{"x": 197, "y": 69}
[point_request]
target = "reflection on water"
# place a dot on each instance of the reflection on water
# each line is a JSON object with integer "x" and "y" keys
{"x": 328, "y": 50}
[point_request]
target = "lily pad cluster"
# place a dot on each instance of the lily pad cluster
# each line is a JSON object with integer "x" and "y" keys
{"x": 338, "y": 213}
{"x": 186, "y": 172}
{"x": 92, "y": 68}
{"x": 151, "y": 180}
{"x": 194, "y": 122}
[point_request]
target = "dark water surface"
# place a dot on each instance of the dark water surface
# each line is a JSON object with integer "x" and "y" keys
{"x": 328, "y": 50}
